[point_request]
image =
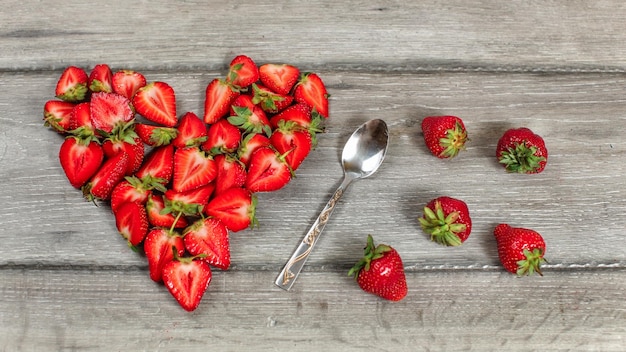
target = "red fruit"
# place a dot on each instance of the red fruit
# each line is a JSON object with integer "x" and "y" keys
{"x": 292, "y": 141}
{"x": 268, "y": 171}
{"x": 131, "y": 189}
{"x": 155, "y": 136}
{"x": 218, "y": 98}
{"x": 127, "y": 83}
{"x": 230, "y": 173}
{"x": 193, "y": 168}
{"x": 234, "y": 207}
{"x": 72, "y": 85}
{"x": 187, "y": 280}
{"x": 159, "y": 247}
{"x": 311, "y": 90}
{"x": 110, "y": 111}
{"x": 242, "y": 72}
{"x": 209, "y": 238}
{"x": 381, "y": 272}
{"x": 101, "y": 79}
{"x": 158, "y": 217}
{"x": 279, "y": 78}
{"x": 445, "y": 136}
{"x": 520, "y": 250}
{"x": 57, "y": 115}
{"x": 191, "y": 131}
{"x": 132, "y": 222}
{"x": 447, "y": 221}
{"x": 248, "y": 116}
{"x": 158, "y": 165}
{"x": 189, "y": 202}
{"x": 80, "y": 159}
{"x": 81, "y": 118}
{"x": 521, "y": 150}
{"x": 133, "y": 146}
{"x": 157, "y": 103}
{"x": 299, "y": 113}
{"x": 222, "y": 137}
{"x": 249, "y": 145}
{"x": 106, "y": 178}
{"x": 269, "y": 101}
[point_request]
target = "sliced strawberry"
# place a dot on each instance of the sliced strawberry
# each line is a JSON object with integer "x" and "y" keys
{"x": 301, "y": 114}
{"x": 133, "y": 146}
{"x": 158, "y": 165}
{"x": 72, "y": 85}
{"x": 234, "y": 207}
{"x": 101, "y": 79}
{"x": 157, "y": 103}
{"x": 292, "y": 141}
{"x": 109, "y": 111}
{"x": 279, "y": 78}
{"x": 106, "y": 178}
{"x": 311, "y": 90}
{"x": 218, "y": 98}
{"x": 127, "y": 83}
{"x": 57, "y": 115}
{"x": 131, "y": 189}
{"x": 80, "y": 159}
{"x": 158, "y": 217}
{"x": 188, "y": 202}
{"x": 222, "y": 137}
{"x": 81, "y": 118}
{"x": 230, "y": 173}
{"x": 268, "y": 171}
{"x": 249, "y": 145}
{"x": 269, "y": 101}
{"x": 193, "y": 168}
{"x": 131, "y": 221}
{"x": 250, "y": 120}
{"x": 155, "y": 136}
{"x": 242, "y": 71}
{"x": 187, "y": 280}
{"x": 159, "y": 247}
{"x": 209, "y": 238}
{"x": 191, "y": 131}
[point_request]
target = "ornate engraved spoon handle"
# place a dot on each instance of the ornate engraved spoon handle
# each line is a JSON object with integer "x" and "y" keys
{"x": 290, "y": 272}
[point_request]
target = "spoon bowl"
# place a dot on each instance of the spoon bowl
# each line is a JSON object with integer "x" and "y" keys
{"x": 363, "y": 153}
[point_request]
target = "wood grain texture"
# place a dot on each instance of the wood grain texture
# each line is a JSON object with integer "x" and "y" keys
{"x": 69, "y": 282}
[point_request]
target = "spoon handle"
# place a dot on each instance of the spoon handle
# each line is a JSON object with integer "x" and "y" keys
{"x": 290, "y": 272}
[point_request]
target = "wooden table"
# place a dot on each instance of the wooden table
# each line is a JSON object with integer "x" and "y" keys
{"x": 69, "y": 282}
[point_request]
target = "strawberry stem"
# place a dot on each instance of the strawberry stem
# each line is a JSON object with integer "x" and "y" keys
{"x": 371, "y": 253}
{"x": 521, "y": 158}
{"x": 532, "y": 263}
{"x": 442, "y": 228}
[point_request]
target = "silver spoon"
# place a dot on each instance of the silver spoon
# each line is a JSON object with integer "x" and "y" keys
{"x": 361, "y": 157}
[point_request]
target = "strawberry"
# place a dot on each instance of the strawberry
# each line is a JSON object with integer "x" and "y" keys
{"x": 279, "y": 78}
{"x": 521, "y": 150}
{"x": 242, "y": 71}
{"x": 101, "y": 79}
{"x": 447, "y": 221}
{"x": 311, "y": 90}
{"x": 155, "y": 136}
{"x": 189, "y": 202}
{"x": 381, "y": 272}
{"x": 157, "y": 102}
{"x": 131, "y": 189}
{"x": 159, "y": 247}
{"x": 230, "y": 173}
{"x": 209, "y": 237}
{"x": 158, "y": 166}
{"x": 72, "y": 85}
{"x": 445, "y": 136}
{"x": 110, "y": 111}
{"x": 292, "y": 141}
{"x": 249, "y": 145}
{"x": 218, "y": 98}
{"x": 269, "y": 101}
{"x": 234, "y": 207}
{"x": 80, "y": 159}
{"x": 302, "y": 115}
{"x": 57, "y": 115}
{"x": 520, "y": 250}
{"x": 127, "y": 83}
{"x": 106, "y": 178}
{"x": 193, "y": 168}
{"x": 131, "y": 145}
{"x": 81, "y": 118}
{"x": 187, "y": 279}
{"x": 191, "y": 131}
{"x": 158, "y": 217}
{"x": 248, "y": 116}
{"x": 222, "y": 137}
{"x": 131, "y": 221}
{"x": 268, "y": 171}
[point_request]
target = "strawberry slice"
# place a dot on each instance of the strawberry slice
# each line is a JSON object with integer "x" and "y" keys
{"x": 249, "y": 145}
{"x": 157, "y": 103}
{"x": 293, "y": 141}
{"x": 234, "y": 207}
{"x": 191, "y": 131}
{"x": 158, "y": 166}
{"x": 131, "y": 221}
{"x": 230, "y": 173}
{"x": 188, "y": 202}
{"x": 57, "y": 115}
{"x": 155, "y": 136}
{"x": 80, "y": 159}
{"x": 242, "y": 72}
{"x": 109, "y": 111}
{"x": 218, "y": 98}
{"x": 131, "y": 189}
{"x": 81, "y": 118}
{"x": 158, "y": 217}
{"x": 222, "y": 137}
{"x": 159, "y": 247}
{"x": 269, "y": 101}
{"x": 209, "y": 238}
{"x": 192, "y": 168}
{"x": 101, "y": 79}
{"x": 279, "y": 78}
{"x": 133, "y": 146}
{"x": 311, "y": 90}
{"x": 187, "y": 280}
{"x": 127, "y": 83}
{"x": 106, "y": 178}
{"x": 301, "y": 114}
{"x": 268, "y": 171}
{"x": 249, "y": 117}
{"x": 72, "y": 85}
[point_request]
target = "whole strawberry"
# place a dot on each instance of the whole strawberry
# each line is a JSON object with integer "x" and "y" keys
{"x": 521, "y": 150}
{"x": 447, "y": 221}
{"x": 381, "y": 272}
{"x": 520, "y": 250}
{"x": 445, "y": 136}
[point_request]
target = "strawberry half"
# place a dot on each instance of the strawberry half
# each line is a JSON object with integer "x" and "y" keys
{"x": 209, "y": 238}
{"x": 193, "y": 168}
{"x": 279, "y": 78}
{"x": 520, "y": 250}
{"x": 127, "y": 83}
{"x": 131, "y": 145}
{"x": 131, "y": 189}
{"x": 269, "y": 101}
{"x": 242, "y": 72}
{"x": 222, "y": 137}
{"x": 189, "y": 202}
{"x": 57, "y": 115}
{"x": 311, "y": 90}
{"x": 106, "y": 178}
{"x": 292, "y": 141}
{"x": 159, "y": 247}
{"x": 158, "y": 165}
{"x": 101, "y": 79}
{"x": 230, "y": 173}
{"x": 249, "y": 145}
{"x": 132, "y": 222}
{"x": 80, "y": 159}
{"x": 249, "y": 117}
{"x": 234, "y": 207}
{"x": 81, "y": 118}
{"x": 187, "y": 279}
{"x": 268, "y": 171}
{"x": 155, "y": 136}
{"x": 109, "y": 111}
{"x": 191, "y": 131}
{"x": 157, "y": 103}
{"x": 219, "y": 96}
{"x": 72, "y": 85}
{"x": 158, "y": 216}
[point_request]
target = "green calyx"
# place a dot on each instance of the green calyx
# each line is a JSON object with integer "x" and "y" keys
{"x": 521, "y": 159}
{"x": 532, "y": 263}
{"x": 163, "y": 136}
{"x": 372, "y": 253}
{"x": 442, "y": 228}
{"x": 453, "y": 142}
